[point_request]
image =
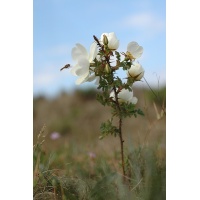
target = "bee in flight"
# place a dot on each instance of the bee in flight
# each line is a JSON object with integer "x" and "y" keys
{"x": 65, "y": 67}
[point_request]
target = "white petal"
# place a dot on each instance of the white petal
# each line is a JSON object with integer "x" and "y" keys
{"x": 113, "y": 42}
{"x": 82, "y": 71}
{"x": 125, "y": 95}
{"x": 133, "y": 100}
{"x": 83, "y": 62}
{"x": 138, "y": 52}
{"x": 74, "y": 69}
{"x": 92, "y": 77}
{"x": 135, "y": 49}
{"x": 136, "y": 71}
{"x": 140, "y": 76}
{"x": 97, "y": 80}
{"x": 112, "y": 95}
{"x": 131, "y": 46}
{"x": 82, "y": 79}
{"x": 78, "y": 51}
{"x": 83, "y": 66}
{"x": 93, "y": 52}
{"x": 112, "y": 36}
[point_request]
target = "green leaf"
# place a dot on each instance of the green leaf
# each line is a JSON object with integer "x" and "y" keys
{"x": 126, "y": 110}
{"x": 107, "y": 128}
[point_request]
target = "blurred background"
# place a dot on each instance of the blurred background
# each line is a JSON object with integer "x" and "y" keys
{"x": 69, "y": 116}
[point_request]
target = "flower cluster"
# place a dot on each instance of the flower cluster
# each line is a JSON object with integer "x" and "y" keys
{"x": 98, "y": 65}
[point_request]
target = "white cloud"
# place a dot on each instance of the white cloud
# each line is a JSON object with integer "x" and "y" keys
{"x": 145, "y": 22}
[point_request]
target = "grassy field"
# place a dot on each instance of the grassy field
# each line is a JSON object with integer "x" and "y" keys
{"x": 70, "y": 162}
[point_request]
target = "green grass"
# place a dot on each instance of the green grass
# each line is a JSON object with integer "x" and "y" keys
{"x": 69, "y": 173}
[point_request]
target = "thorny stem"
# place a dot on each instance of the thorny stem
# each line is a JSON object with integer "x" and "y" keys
{"x": 120, "y": 133}
{"x": 122, "y": 147}
{"x": 107, "y": 58}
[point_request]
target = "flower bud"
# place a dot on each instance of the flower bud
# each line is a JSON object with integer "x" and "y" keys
{"x": 107, "y": 69}
{"x": 124, "y": 96}
{"x": 105, "y": 40}
{"x": 113, "y": 42}
{"x": 136, "y": 71}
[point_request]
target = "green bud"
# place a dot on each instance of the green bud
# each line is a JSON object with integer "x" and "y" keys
{"x": 107, "y": 69}
{"x": 105, "y": 40}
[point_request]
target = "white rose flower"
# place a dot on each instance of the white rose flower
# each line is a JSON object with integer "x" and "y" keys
{"x": 135, "y": 50}
{"x": 136, "y": 71}
{"x": 83, "y": 59}
{"x": 124, "y": 96}
{"x": 113, "y": 42}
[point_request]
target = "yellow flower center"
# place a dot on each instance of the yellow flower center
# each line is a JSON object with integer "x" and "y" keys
{"x": 129, "y": 55}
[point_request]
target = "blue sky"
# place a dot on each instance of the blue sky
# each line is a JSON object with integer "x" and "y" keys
{"x": 59, "y": 24}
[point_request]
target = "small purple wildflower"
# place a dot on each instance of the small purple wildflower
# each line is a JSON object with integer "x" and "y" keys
{"x": 55, "y": 135}
{"x": 92, "y": 155}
